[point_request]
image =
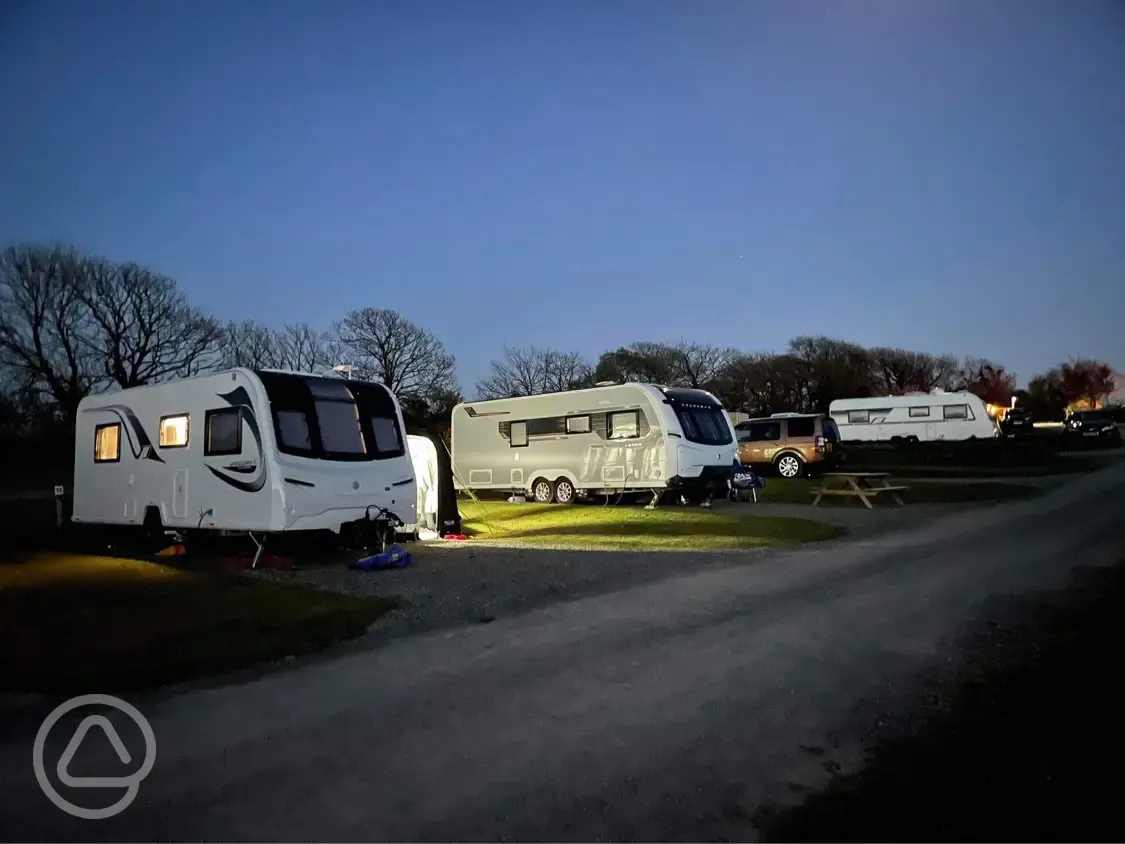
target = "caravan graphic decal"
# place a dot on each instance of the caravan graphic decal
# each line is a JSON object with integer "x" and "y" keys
{"x": 142, "y": 449}
{"x": 240, "y": 398}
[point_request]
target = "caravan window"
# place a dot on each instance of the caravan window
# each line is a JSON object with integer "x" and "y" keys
{"x": 222, "y": 432}
{"x": 859, "y": 417}
{"x": 340, "y": 432}
{"x": 386, "y": 435}
{"x": 703, "y": 424}
{"x": 517, "y": 436}
{"x": 919, "y": 412}
{"x": 624, "y": 425}
{"x": 293, "y": 431}
{"x": 578, "y": 424}
{"x": 956, "y": 411}
{"x": 333, "y": 419}
{"x": 107, "y": 443}
{"x": 174, "y": 431}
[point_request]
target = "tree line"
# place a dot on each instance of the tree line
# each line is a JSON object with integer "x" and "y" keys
{"x": 73, "y": 324}
{"x": 806, "y": 377}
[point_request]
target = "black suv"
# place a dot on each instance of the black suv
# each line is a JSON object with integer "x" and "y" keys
{"x": 1017, "y": 422}
{"x": 1092, "y": 425}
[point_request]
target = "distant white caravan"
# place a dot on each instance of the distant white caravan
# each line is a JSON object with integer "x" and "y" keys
{"x": 914, "y": 417}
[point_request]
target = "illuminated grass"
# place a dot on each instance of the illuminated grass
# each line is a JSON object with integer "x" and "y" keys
{"x": 634, "y": 528}
{"x": 75, "y": 623}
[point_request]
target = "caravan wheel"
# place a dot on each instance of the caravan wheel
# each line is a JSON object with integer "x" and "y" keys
{"x": 564, "y": 491}
{"x": 542, "y": 491}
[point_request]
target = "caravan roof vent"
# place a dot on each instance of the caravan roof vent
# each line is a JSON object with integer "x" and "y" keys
{"x": 606, "y": 384}
{"x": 937, "y": 391}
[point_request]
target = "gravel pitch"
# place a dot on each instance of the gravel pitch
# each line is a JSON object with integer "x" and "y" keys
{"x": 475, "y": 582}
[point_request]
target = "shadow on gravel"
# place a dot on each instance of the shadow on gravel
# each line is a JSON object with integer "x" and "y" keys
{"x": 1025, "y": 744}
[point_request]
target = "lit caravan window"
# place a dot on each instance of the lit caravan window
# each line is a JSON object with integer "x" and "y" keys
{"x": 919, "y": 412}
{"x": 174, "y": 431}
{"x": 222, "y": 431}
{"x": 624, "y": 425}
{"x": 578, "y": 424}
{"x": 518, "y": 436}
{"x": 955, "y": 411}
{"x": 858, "y": 416}
{"x": 107, "y": 443}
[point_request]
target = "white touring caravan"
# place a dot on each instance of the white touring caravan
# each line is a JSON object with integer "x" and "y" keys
{"x": 914, "y": 417}
{"x": 240, "y": 450}
{"x": 607, "y": 439}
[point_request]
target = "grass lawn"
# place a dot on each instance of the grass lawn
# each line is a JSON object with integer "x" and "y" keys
{"x": 1062, "y": 466}
{"x": 73, "y": 623}
{"x": 796, "y": 491}
{"x": 634, "y": 528}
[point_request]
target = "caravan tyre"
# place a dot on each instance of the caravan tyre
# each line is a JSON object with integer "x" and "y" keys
{"x": 564, "y": 491}
{"x": 542, "y": 491}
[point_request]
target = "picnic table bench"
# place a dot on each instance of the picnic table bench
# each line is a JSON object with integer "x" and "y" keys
{"x": 861, "y": 485}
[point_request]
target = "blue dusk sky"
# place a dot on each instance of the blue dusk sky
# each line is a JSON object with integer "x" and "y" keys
{"x": 946, "y": 175}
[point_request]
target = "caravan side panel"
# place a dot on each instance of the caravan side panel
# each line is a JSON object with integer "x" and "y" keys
{"x": 942, "y": 416}
{"x": 603, "y": 438}
{"x": 148, "y": 448}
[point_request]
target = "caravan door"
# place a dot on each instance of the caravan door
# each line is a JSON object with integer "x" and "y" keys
{"x": 179, "y": 494}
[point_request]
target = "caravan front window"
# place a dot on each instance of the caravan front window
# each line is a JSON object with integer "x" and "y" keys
{"x": 293, "y": 431}
{"x": 333, "y": 419}
{"x": 386, "y": 435}
{"x": 703, "y": 424}
{"x": 339, "y": 427}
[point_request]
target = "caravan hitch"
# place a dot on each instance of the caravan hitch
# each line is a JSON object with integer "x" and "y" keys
{"x": 383, "y": 526}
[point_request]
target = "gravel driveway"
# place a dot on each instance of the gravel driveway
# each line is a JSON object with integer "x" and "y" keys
{"x": 454, "y": 583}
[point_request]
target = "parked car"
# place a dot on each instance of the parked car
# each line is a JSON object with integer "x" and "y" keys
{"x": 1092, "y": 425}
{"x": 1017, "y": 422}
{"x": 793, "y": 443}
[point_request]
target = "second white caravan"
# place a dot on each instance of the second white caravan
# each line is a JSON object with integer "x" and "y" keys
{"x": 920, "y": 417}
{"x": 614, "y": 438}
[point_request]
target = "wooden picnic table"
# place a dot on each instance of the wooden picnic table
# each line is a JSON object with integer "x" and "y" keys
{"x": 861, "y": 485}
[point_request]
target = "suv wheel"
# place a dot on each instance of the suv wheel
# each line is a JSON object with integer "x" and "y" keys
{"x": 542, "y": 491}
{"x": 564, "y": 491}
{"x": 789, "y": 466}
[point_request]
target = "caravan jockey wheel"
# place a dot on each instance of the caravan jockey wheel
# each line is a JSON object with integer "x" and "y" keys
{"x": 542, "y": 491}
{"x": 564, "y": 491}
